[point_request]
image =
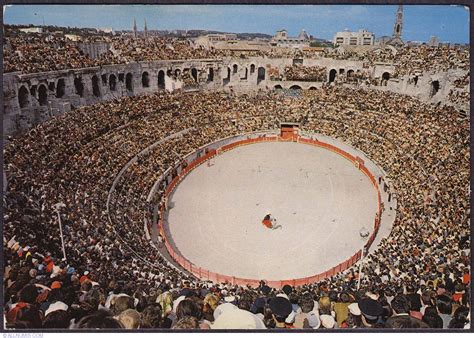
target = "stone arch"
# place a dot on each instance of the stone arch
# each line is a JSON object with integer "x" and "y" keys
{"x": 312, "y": 88}
{"x": 145, "y": 80}
{"x": 332, "y": 75}
{"x": 23, "y": 97}
{"x": 350, "y": 73}
{"x": 60, "y": 88}
{"x": 235, "y": 68}
{"x": 42, "y": 95}
{"x": 79, "y": 86}
{"x": 434, "y": 87}
{"x": 161, "y": 79}
{"x": 95, "y": 86}
{"x": 278, "y": 87}
{"x": 252, "y": 68}
{"x": 194, "y": 74}
{"x": 129, "y": 82}
{"x": 210, "y": 75}
{"x": 385, "y": 78}
{"x": 112, "y": 82}
{"x": 295, "y": 87}
{"x": 260, "y": 74}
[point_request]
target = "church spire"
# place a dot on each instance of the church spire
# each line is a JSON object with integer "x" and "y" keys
{"x": 397, "y": 28}
{"x": 145, "y": 30}
{"x": 134, "y": 28}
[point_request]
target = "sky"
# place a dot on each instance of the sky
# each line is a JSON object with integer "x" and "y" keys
{"x": 450, "y": 23}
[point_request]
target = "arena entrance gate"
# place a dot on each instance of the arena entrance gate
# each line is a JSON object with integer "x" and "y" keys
{"x": 289, "y": 130}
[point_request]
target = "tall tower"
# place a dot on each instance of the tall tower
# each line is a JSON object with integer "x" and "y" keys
{"x": 145, "y": 30}
{"x": 396, "y": 39}
{"x": 134, "y": 28}
{"x": 397, "y": 28}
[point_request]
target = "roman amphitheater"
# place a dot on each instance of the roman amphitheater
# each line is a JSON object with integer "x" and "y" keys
{"x": 157, "y": 173}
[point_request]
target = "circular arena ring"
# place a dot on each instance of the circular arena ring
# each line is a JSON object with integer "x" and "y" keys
{"x": 320, "y": 190}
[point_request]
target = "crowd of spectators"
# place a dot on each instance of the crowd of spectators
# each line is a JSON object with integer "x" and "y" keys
{"x": 34, "y": 52}
{"x": 113, "y": 276}
{"x": 299, "y": 73}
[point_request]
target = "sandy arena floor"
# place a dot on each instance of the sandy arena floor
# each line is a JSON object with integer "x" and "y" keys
{"x": 320, "y": 199}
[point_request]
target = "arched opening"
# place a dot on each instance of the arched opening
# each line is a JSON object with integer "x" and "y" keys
{"x": 194, "y": 74}
{"x": 60, "y": 88}
{"x": 104, "y": 79}
{"x": 42, "y": 95}
{"x": 350, "y": 73}
{"x": 341, "y": 71}
{"x": 252, "y": 69}
{"x": 385, "y": 78}
{"x": 234, "y": 69}
{"x": 161, "y": 79}
{"x": 145, "y": 80}
{"x": 112, "y": 82}
{"x": 332, "y": 75}
{"x": 295, "y": 87}
{"x": 177, "y": 72}
{"x": 128, "y": 82}
{"x": 79, "y": 86}
{"x": 210, "y": 75}
{"x": 33, "y": 90}
{"x": 434, "y": 87}
{"x": 260, "y": 74}
{"x": 95, "y": 86}
{"x": 226, "y": 80}
{"x": 415, "y": 80}
{"x": 398, "y": 28}
{"x": 23, "y": 97}
{"x": 278, "y": 87}
{"x": 312, "y": 88}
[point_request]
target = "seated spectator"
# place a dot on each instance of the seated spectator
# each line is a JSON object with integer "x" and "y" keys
{"x": 432, "y": 318}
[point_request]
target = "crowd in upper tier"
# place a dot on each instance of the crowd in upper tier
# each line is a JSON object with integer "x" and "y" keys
{"x": 35, "y": 52}
{"x": 113, "y": 276}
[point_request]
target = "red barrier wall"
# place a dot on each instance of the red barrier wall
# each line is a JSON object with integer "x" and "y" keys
{"x": 209, "y": 275}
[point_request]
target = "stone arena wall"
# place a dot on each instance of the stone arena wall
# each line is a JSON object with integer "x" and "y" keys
{"x": 30, "y": 99}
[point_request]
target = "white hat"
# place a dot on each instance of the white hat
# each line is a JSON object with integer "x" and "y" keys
{"x": 327, "y": 321}
{"x": 223, "y": 308}
{"x": 229, "y": 299}
{"x": 354, "y": 309}
{"x": 56, "y": 307}
{"x": 238, "y": 319}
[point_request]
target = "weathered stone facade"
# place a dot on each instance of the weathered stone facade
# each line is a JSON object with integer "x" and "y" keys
{"x": 30, "y": 99}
